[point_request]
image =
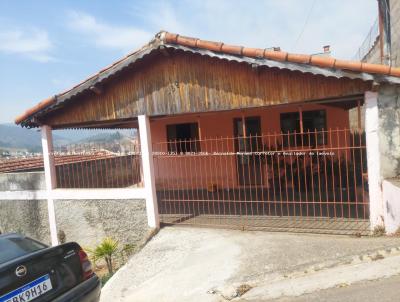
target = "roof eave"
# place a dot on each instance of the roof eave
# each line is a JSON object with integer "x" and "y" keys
{"x": 26, "y": 119}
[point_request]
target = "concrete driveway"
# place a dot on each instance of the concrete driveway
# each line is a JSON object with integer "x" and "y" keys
{"x": 197, "y": 264}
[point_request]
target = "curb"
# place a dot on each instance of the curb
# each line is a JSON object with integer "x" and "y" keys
{"x": 383, "y": 263}
{"x": 363, "y": 258}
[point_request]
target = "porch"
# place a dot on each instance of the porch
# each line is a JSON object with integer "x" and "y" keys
{"x": 294, "y": 167}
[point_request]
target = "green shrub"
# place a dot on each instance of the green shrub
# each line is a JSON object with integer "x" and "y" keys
{"x": 105, "y": 250}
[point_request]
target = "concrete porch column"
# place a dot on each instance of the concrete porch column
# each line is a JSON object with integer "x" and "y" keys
{"x": 50, "y": 179}
{"x": 382, "y": 129}
{"x": 389, "y": 151}
{"x": 373, "y": 159}
{"x": 148, "y": 172}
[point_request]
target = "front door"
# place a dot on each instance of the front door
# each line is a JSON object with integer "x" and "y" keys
{"x": 249, "y": 165}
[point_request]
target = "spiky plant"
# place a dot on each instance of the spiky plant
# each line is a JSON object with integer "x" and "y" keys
{"x": 106, "y": 250}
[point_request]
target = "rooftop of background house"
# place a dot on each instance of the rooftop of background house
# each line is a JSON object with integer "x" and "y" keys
{"x": 35, "y": 163}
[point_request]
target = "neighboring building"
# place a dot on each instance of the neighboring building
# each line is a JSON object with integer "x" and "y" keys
{"x": 382, "y": 44}
{"x": 244, "y": 137}
{"x": 83, "y": 170}
{"x": 395, "y": 32}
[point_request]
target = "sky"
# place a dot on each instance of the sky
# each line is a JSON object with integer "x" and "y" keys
{"x": 48, "y": 46}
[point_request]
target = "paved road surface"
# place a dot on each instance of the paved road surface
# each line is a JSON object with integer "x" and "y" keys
{"x": 384, "y": 290}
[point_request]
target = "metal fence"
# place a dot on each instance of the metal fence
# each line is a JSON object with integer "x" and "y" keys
{"x": 250, "y": 181}
{"x": 369, "y": 42}
{"x": 98, "y": 165}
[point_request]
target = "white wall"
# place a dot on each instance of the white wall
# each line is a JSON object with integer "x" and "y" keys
{"x": 391, "y": 203}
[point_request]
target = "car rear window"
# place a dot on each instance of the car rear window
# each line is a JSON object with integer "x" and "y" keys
{"x": 14, "y": 247}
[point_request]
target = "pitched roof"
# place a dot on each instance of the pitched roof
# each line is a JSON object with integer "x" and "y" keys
{"x": 326, "y": 66}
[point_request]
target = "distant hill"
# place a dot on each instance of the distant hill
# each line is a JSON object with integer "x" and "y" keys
{"x": 117, "y": 135}
{"x": 14, "y": 138}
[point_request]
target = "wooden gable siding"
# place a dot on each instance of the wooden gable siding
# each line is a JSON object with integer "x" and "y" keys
{"x": 186, "y": 83}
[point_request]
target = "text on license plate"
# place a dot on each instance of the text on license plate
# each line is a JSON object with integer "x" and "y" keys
{"x": 29, "y": 291}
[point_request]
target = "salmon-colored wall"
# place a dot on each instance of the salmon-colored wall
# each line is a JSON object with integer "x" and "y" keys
{"x": 208, "y": 170}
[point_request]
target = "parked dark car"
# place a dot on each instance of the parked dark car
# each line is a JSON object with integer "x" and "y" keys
{"x": 32, "y": 271}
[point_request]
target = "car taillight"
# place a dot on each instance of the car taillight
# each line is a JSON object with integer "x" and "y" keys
{"x": 86, "y": 265}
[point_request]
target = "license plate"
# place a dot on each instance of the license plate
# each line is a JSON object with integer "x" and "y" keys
{"x": 29, "y": 291}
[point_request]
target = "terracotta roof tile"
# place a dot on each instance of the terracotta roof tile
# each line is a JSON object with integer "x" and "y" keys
{"x": 214, "y": 46}
{"x": 395, "y": 71}
{"x": 375, "y": 68}
{"x": 186, "y": 41}
{"x": 43, "y": 104}
{"x": 36, "y": 162}
{"x": 260, "y": 53}
{"x": 326, "y": 62}
{"x": 171, "y": 38}
{"x": 250, "y": 52}
{"x": 275, "y": 55}
{"x": 298, "y": 58}
{"x": 232, "y": 49}
{"x": 349, "y": 65}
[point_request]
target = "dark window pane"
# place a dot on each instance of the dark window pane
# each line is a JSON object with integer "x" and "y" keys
{"x": 315, "y": 121}
{"x": 312, "y": 121}
{"x": 290, "y": 123}
{"x": 183, "y": 138}
{"x": 252, "y": 142}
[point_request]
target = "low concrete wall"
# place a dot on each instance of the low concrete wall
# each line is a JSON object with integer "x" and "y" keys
{"x": 25, "y": 216}
{"x": 22, "y": 181}
{"x": 84, "y": 221}
{"x": 89, "y": 221}
{"x": 391, "y": 200}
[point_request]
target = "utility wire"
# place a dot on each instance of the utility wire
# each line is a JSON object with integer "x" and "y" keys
{"x": 305, "y": 24}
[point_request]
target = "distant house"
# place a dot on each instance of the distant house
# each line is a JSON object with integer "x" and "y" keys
{"x": 82, "y": 170}
{"x": 244, "y": 137}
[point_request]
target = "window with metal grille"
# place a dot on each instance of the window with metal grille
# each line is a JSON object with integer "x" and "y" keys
{"x": 183, "y": 138}
{"x": 313, "y": 123}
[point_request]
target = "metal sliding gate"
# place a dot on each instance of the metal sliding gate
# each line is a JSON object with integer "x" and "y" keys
{"x": 313, "y": 182}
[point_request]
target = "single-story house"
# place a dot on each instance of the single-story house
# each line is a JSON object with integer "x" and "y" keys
{"x": 243, "y": 137}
